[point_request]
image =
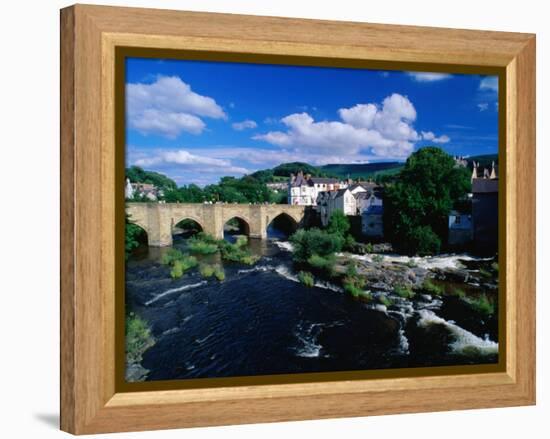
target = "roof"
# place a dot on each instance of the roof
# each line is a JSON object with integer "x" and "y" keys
{"x": 299, "y": 180}
{"x": 361, "y": 195}
{"x": 324, "y": 180}
{"x": 484, "y": 185}
{"x": 364, "y": 184}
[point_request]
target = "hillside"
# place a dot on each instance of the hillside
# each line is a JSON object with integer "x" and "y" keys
{"x": 363, "y": 170}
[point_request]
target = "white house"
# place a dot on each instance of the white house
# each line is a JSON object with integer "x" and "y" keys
{"x": 304, "y": 189}
{"x": 329, "y": 201}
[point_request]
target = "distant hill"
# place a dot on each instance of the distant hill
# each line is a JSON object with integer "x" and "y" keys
{"x": 363, "y": 170}
{"x": 138, "y": 175}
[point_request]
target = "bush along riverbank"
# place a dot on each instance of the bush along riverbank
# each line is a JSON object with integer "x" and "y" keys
{"x": 202, "y": 244}
{"x": 138, "y": 339}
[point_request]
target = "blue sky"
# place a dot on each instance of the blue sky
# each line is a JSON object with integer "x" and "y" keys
{"x": 196, "y": 121}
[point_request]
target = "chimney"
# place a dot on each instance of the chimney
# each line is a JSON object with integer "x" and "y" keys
{"x": 474, "y": 172}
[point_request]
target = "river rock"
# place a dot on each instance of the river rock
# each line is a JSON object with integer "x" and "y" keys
{"x": 136, "y": 372}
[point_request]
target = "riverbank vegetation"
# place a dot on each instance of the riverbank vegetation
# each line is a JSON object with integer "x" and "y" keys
{"x": 138, "y": 338}
{"x": 133, "y": 236}
{"x": 306, "y": 278}
{"x": 207, "y": 271}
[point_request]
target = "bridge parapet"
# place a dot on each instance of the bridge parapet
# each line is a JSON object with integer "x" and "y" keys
{"x": 159, "y": 219}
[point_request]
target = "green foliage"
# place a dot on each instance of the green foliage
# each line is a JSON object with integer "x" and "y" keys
{"x": 197, "y": 245}
{"x": 432, "y": 288}
{"x": 285, "y": 169}
{"x": 219, "y": 273}
{"x": 241, "y": 241}
{"x": 307, "y": 243}
{"x": 377, "y": 258}
{"x": 404, "y": 291}
{"x": 363, "y": 171}
{"x": 171, "y": 256}
{"x": 485, "y": 273}
{"x": 306, "y": 278}
{"x": 138, "y": 337}
{"x": 138, "y": 175}
{"x": 353, "y": 283}
{"x": 351, "y": 269}
{"x": 369, "y": 248}
{"x": 338, "y": 223}
{"x": 459, "y": 293}
{"x": 180, "y": 266}
{"x": 481, "y": 304}
{"x": 207, "y": 270}
{"x": 234, "y": 253}
{"x": 494, "y": 266}
{"x": 417, "y": 205}
{"x": 132, "y": 237}
{"x": 323, "y": 263}
{"x": 385, "y": 300}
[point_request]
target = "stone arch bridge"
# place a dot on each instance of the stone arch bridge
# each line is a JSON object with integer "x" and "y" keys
{"x": 159, "y": 219}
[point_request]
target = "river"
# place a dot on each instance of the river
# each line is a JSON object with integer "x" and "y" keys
{"x": 262, "y": 321}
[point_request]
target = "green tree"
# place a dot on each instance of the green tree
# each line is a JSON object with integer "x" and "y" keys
{"x": 138, "y": 175}
{"x": 132, "y": 237}
{"x": 417, "y": 204}
{"x": 311, "y": 242}
{"x": 338, "y": 223}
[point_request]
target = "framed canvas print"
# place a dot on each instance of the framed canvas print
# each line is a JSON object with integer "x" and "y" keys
{"x": 273, "y": 219}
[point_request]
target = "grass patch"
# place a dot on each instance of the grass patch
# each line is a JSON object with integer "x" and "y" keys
{"x": 404, "y": 291}
{"x": 306, "y": 278}
{"x": 459, "y": 293}
{"x": 219, "y": 274}
{"x": 233, "y": 253}
{"x": 207, "y": 271}
{"x": 385, "y": 300}
{"x": 201, "y": 247}
{"x": 180, "y": 266}
{"x": 138, "y": 338}
{"x": 241, "y": 241}
{"x": 171, "y": 256}
{"x": 432, "y": 288}
{"x": 485, "y": 273}
{"x": 325, "y": 263}
{"x": 481, "y": 304}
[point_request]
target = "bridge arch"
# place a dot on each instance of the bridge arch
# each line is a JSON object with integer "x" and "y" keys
{"x": 242, "y": 226}
{"x": 280, "y": 224}
{"x": 186, "y": 225}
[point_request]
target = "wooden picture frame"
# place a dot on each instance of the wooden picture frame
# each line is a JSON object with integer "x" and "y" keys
{"x": 91, "y": 401}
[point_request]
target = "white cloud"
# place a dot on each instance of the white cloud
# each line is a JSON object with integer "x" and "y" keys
{"x": 489, "y": 83}
{"x": 430, "y": 136}
{"x": 384, "y": 131}
{"x": 168, "y": 107}
{"x": 483, "y": 106}
{"x": 244, "y": 125}
{"x": 184, "y": 160}
{"x": 428, "y": 76}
